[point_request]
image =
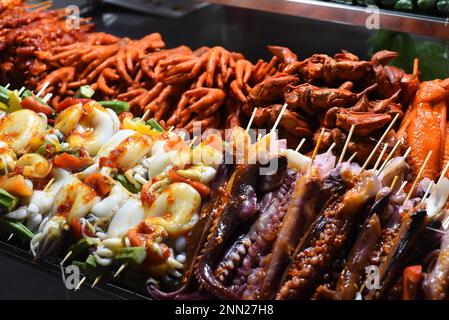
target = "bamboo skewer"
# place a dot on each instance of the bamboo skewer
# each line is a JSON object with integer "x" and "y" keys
{"x": 345, "y": 147}
{"x": 250, "y": 122}
{"x": 379, "y": 159}
{"x": 415, "y": 67}
{"x": 390, "y": 155}
{"x": 402, "y": 187}
{"x": 97, "y": 279}
{"x": 145, "y": 115}
{"x": 49, "y": 184}
{"x": 281, "y": 114}
{"x": 80, "y": 284}
{"x": 393, "y": 184}
{"x": 418, "y": 177}
{"x": 427, "y": 191}
{"x": 331, "y": 147}
{"x": 66, "y": 257}
{"x": 41, "y": 91}
{"x": 351, "y": 158}
{"x": 379, "y": 142}
{"x": 300, "y": 145}
{"x": 315, "y": 151}
{"x": 120, "y": 270}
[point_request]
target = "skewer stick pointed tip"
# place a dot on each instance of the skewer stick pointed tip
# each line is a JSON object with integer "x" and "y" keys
{"x": 281, "y": 114}
{"x": 345, "y": 147}
{"x": 66, "y": 257}
{"x": 300, "y": 145}
{"x": 250, "y": 122}
{"x": 418, "y": 177}
{"x": 80, "y": 284}
{"x": 122, "y": 267}
{"x": 97, "y": 279}
{"x": 10, "y": 236}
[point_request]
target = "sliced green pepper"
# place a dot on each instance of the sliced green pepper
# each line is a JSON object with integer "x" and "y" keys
{"x": 81, "y": 246}
{"x": 117, "y": 106}
{"x": 14, "y": 101}
{"x": 125, "y": 183}
{"x": 27, "y": 93}
{"x": 155, "y": 125}
{"x": 4, "y": 95}
{"x": 19, "y": 229}
{"x": 133, "y": 255}
{"x": 92, "y": 268}
{"x": 8, "y": 201}
{"x": 84, "y": 92}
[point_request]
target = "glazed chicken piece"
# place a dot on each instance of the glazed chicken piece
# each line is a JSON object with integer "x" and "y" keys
{"x": 424, "y": 127}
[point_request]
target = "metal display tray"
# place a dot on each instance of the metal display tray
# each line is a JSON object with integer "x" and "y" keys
{"x": 419, "y": 24}
{"x": 21, "y": 259}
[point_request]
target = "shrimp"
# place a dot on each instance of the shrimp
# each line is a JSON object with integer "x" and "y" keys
{"x": 89, "y": 126}
{"x": 22, "y": 130}
{"x": 73, "y": 202}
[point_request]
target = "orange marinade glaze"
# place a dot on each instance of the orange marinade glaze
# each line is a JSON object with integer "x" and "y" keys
{"x": 424, "y": 128}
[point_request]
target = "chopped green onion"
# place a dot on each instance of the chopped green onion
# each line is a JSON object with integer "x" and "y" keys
{"x": 84, "y": 92}
{"x": 8, "y": 201}
{"x": 155, "y": 125}
{"x": 117, "y": 106}
{"x": 19, "y": 229}
{"x": 133, "y": 255}
{"x": 125, "y": 183}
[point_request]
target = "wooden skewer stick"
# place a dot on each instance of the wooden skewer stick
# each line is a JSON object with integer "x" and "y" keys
{"x": 390, "y": 155}
{"x": 281, "y": 114}
{"x": 352, "y": 157}
{"x": 345, "y": 147}
{"x": 415, "y": 67}
{"x": 80, "y": 284}
{"x": 443, "y": 173}
{"x": 122, "y": 267}
{"x": 407, "y": 152}
{"x": 41, "y": 91}
{"x": 47, "y": 97}
{"x": 379, "y": 142}
{"x": 331, "y": 147}
{"x": 253, "y": 115}
{"x": 145, "y": 115}
{"x": 300, "y": 145}
{"x": 7, "y": 86}
{"x": 21, "y": 91}
{"x": 402, "y": 187}
{"x": 97, "y": 279}
{"x": 171, "y": 129}
{"x": 66, "y": 257}
{"x": 384, "y": 149}
{"x": 393, "y": 184}
{"x": 10, "y": 236}
{"x": 193, "y": 141}
{"x": 49, "y": 184}
{"x": 427, "y": 191}
{"x": 418, "y": 177}
{"x": 315, "y": 151}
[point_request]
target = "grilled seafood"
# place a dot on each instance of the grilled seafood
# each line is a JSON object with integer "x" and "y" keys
{"x": 87, "y": 125}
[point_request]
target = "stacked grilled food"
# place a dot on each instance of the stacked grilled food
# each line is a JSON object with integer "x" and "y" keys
{"x": 99, "y": 167}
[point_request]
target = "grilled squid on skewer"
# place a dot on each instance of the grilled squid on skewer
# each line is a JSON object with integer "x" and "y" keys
{"x": 22, "y": 130}
{"x": 87, "y": 125}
